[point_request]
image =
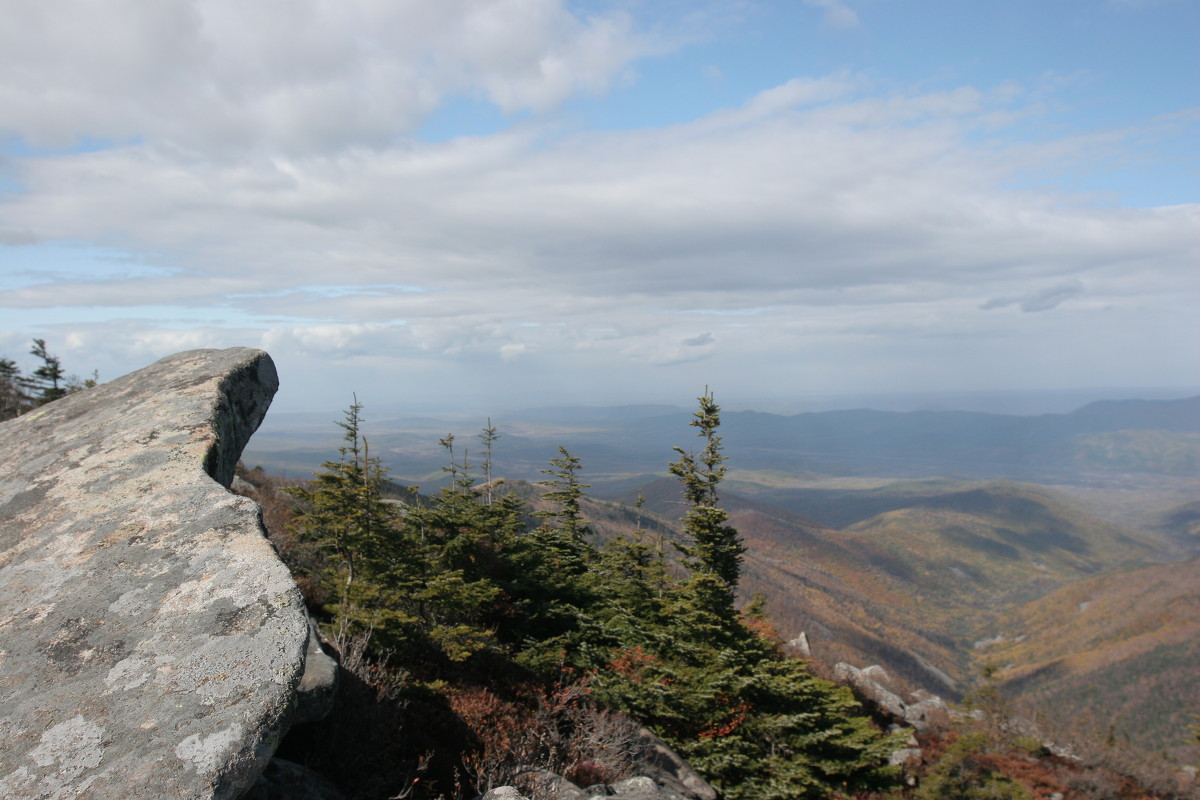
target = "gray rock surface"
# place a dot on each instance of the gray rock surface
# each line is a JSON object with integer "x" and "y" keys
{"x": 504, "y": 793}
{"x": 920, "y": 712}
{"x": 668, "y": 769}
{"x": 541, "y": 784}
{"x": 800, "y": 646}
{"x": 317, "y": 690}
{"x": 544, "y": 785}
{"x": 151, "y": 642}
{"x": 662, "y": 774}
{"x": 641, "y": 787}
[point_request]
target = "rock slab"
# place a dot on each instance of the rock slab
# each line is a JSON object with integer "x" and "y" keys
{"x": 151, "y": 642}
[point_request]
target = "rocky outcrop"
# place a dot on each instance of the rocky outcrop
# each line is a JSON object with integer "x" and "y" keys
{"x": 553, "y": 787}
{"x": 151, "y": 642}
{"x": 662, "y": 774}
{"x": 668, "y": 769}
{"x": 799, "y": 646}
{"x": 873, "y": 684}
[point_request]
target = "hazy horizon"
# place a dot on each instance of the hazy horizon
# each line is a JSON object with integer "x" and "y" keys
{"x": 384, "y": 412}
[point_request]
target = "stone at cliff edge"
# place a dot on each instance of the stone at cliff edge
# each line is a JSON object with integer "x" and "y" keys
{"x": 150, "y": 640}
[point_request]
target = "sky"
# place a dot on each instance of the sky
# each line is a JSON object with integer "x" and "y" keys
{"x": 474, "y": 205}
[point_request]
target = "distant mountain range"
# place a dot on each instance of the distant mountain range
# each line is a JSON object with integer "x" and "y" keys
{"x": 623, "y": 444}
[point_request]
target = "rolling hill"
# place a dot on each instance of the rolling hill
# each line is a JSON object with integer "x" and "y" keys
{"x": 1116, "y": 654}
{"x": 914, "y": 586}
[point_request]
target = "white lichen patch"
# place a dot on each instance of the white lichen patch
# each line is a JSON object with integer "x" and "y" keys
{"x": 189, "y": 596}
{"x": 132, "y": 602}
{"x": 127, "y": 674}
{"x": 73, "y": 746}
{"x": 206, "y": 753}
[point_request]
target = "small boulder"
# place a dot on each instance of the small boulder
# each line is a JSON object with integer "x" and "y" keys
{"x": 318, "y": 685}
{"x": 504, "y": 793}
{"x": 668, "y": 769}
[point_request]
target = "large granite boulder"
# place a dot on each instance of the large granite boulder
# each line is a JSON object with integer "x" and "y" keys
{"x": 151, "y": 642}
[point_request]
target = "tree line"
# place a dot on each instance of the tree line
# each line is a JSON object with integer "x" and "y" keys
{"x": 48, "y": 381}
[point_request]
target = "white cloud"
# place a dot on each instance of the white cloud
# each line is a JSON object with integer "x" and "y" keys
{"x": 297, "y": 76}
{"x": 511, "y": 351}
{"x": 662, "y": 350}
{"x": 268, "y": 176}
{"x": 858, "y": 199}
{"x": 333, "y": 341}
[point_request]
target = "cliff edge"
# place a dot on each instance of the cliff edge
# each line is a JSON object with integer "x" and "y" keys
{"x": 151, "y": 642}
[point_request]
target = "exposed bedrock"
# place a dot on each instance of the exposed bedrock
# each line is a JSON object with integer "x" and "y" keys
{"x": 151, "y": 642}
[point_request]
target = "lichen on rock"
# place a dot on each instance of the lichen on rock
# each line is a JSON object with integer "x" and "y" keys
{"x": 151, "y": 642}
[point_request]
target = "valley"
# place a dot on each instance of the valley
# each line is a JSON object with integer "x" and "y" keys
{"x": 1060, "y": 549}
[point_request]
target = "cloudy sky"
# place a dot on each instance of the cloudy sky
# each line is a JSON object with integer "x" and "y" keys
{"x": 482, "y": 204}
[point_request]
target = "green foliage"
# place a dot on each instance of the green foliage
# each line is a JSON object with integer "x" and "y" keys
{"x": 343, "y": 514}
{"x": 756, "y": 724}
{"x": 460, "y": 587}
{"x": 683, "y": 661}
{"x": 566, "y": 490}
{"x": 489, "y": 436}
{"x": 13, "y": 399}
{"x": 791, "y": 735}
{"x": 48, "y": 379}
{"x": 20, "y": 393}
{"x": 715, "y": 548}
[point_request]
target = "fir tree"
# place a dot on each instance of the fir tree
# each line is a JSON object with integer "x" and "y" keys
{"x": 345, "y": 515}
{"x": 13, "y": 400}
{"x": 562, "y": 539}
{"x": 757, "y": 725}
{"x": 715, "y": 548}
{"x": 461, "y": 579}
{"x": 464, "y": 544}
{"x": 566, "y": 492}
{"x": 489, "y": 436}
{"x": 47, "y": 379}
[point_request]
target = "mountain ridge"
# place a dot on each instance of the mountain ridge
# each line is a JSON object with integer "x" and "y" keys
{"x": 1148, "y": 436}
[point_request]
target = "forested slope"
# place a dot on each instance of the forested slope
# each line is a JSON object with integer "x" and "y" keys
{"x": 505, "y": 606}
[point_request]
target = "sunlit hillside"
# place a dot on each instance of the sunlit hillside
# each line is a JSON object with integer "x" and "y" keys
{"x": 1116, "y": 654}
